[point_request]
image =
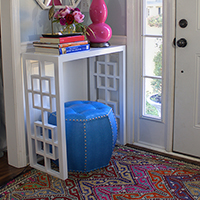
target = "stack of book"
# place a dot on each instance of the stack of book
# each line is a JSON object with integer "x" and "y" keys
{"x": 61, "y": 45}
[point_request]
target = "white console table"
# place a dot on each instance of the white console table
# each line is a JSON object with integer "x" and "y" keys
{"x": 44, "y": 93}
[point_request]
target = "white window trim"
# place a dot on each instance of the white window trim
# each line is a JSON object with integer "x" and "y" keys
{"x": 133, "y": 70}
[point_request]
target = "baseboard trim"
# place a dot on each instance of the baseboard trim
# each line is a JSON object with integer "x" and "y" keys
{"x": 172, "y": 155}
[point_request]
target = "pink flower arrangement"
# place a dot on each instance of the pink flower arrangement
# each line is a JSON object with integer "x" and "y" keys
{"x": 68, "y": 15}
{"x": 72, "y": 20}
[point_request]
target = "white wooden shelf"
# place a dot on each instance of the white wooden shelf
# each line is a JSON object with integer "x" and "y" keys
{"x": 44, "y": 92}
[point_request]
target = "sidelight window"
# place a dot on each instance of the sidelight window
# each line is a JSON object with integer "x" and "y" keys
{"x": 152, "y": 59}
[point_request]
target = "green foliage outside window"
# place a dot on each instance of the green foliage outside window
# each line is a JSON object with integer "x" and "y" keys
{"x": 155, "y": 21}
{"x": 157, "y": 83}
{"x": 151, "y": 110}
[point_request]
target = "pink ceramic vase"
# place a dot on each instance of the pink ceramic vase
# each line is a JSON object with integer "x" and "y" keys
{"x": 99, "y": 32}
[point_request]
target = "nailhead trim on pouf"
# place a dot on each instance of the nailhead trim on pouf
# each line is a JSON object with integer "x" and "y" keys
{"x": 91, "y": 134}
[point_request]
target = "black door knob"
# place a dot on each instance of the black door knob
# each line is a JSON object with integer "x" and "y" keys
{"x": 182, "y": 43}
{"x": 183, "y": 23}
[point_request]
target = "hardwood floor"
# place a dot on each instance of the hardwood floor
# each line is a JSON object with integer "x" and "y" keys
{"x": 7, "y": 172}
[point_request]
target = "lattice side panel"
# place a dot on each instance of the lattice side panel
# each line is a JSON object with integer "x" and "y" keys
{"x": 107, "y": 80}
{"x": 44, "y": 137}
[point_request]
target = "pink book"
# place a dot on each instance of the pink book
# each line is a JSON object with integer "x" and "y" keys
{"x": 61, "y": 40}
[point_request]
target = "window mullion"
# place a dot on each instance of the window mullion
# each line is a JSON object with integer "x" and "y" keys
{"x": 154, "y": 36}
{"x": 153, "y": 77}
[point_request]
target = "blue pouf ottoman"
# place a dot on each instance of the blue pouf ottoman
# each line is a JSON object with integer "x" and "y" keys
{"x": 91, "y": 134}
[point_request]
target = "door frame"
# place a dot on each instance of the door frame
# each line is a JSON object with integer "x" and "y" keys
{"x": 133, "y": 71}
{"x": 130, "y": 71}
{"x": 13, "y": 83}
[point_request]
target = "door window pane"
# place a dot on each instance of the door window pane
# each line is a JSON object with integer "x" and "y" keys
{"x": 152, "y": 17}
{"x": 152, "y": 56}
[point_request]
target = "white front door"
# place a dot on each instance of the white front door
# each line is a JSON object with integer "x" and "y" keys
{"x": 187, "y": 79}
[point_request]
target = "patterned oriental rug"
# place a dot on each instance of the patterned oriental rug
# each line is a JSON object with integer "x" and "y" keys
{"x": 131, "y": 174}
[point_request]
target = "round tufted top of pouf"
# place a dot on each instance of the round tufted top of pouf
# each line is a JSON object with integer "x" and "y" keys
{"x": 85, "y": 110}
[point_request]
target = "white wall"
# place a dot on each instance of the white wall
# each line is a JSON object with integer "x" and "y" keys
{"x": 117, "y": 16}
{"x": 34, "y": 21}
{"x": 12, "y": 76}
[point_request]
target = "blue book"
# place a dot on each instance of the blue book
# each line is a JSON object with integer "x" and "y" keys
{"x": 64, "y": 50}
{"x": 72, "y": 49}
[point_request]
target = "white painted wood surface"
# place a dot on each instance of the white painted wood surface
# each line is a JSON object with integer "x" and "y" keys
{"x": 13, "y": 83}
{"x": 187, "y": 84}
{"x": 35, "y": 72}
{"x": 148, "y": 132}
{"x": 108, "y": 86}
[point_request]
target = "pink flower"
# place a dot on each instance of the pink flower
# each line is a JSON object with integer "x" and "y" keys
{"x": 63, "y": 21}
{"x": 78, "y": 16}
{"x": 68, "y": 15}
{"x": 76, "y": 9}
{"x": 64, "y": 12}
{"x": 67, "y": 9}
{"x": 56, "y": 15}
